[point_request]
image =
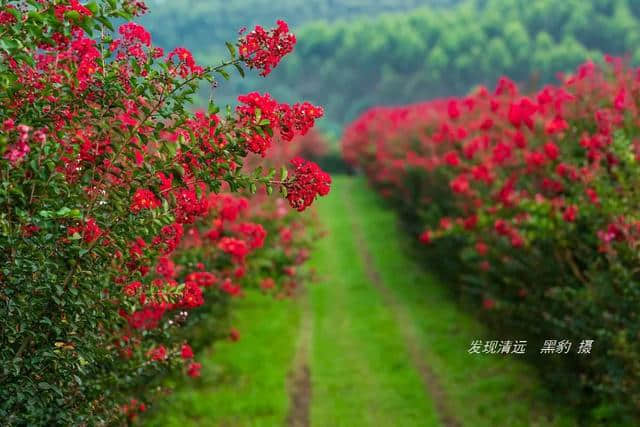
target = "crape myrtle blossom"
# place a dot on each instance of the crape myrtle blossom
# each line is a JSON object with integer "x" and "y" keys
{"x": 263, "y": 49}
{"x": 141, "y": 210}
{"x": 533, "y": 197}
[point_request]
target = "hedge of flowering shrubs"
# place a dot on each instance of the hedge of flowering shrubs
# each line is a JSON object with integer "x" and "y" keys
{"x": 536, "y": 197}
{"x": 119, "y": 224}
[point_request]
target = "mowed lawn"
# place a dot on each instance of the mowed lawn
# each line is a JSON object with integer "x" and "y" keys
{"x": 363, "y": 344}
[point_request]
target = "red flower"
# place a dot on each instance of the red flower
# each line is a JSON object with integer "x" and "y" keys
{"x": 191, "y": 296}
{"x": 143, "y": 199}
{"x": 267, "y": 283}
{"x": 452, "y": 109}
{"x": 29, "y": 230}
{"x": 158, "y": 353}
{"x": 189, "y": 206}
{"x": 132, "y": 32}
{"x": 570, "y": 213}
{"x": 298, "y": 120}
{"x": 460, "y": 184}
{"x": 234, "y": 247}
{"x": 202, "y": 278}
{"x": 556, "y": 125}
{"x": 229, "y": 287}
{"x": 234, "y": 335}
{"x": 481, "y": 248}
{"x": 619, "y": 102}
{"x": 470, "y": 222}
{"x": 593, "y": 195}
{"x": 264, "y": 49}
{"x": 551, "y": 150}
{"x": 186, "y": 352}
{"x": 522, "y": 112}
{"x": 132, "y": 288}
{"x": 308, "y": 182}
{"x": 501, "y": 227}
{"x": 186, "y": 65}
{"x": 255, "y": 233}
{"x": 445, "y": 223}
{"x": 194, "y": 369}
{"x": 451, "y": 158}
{"x": 425, "y": 237}
{"x": 488, "y": 304}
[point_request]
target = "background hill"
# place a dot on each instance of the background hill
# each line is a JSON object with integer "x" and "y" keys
{"x": 372, "y": 57}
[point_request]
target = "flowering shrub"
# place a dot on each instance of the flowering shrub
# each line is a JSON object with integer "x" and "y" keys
{"x": 119, "y": 229}
{"x": 537, "y": 196}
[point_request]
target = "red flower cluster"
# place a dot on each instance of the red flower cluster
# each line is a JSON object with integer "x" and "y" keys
{"x": 194, "y": 369}
{"x": 20, "y": 148}
{"x": 182, "y": 62}
{"x": 186, "y": 352}
{"x": 143, "y": 199}
{"x": 255, "y": 234}
{"x": 539, "y": 192}
{"x": 133, "y": 144}
{"x": 158, "y": 353}
{"x": 89, "y": 230}
{"x": 73, "y": 6}
{"x": 234, "y": 247}
{"x": 258, "y": 110}
{"x": 504, "y": 149}
{"x": 132, "y": 32}
{"x": 308, "y": 182}
{"x": 189, "y": 206}
{"x": 263, "y": 49}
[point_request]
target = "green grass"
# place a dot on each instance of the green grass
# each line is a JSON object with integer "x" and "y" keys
{"x": 243, "y": 383}
{"x": 361, "y": 372}
{"x": 484, "y": 389}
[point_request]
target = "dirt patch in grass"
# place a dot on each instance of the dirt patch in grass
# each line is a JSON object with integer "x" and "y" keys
{"x": 300, "y": 376}
{"x": 429, "y": 378}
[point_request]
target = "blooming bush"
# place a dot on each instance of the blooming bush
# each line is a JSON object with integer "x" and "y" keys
{"x": 537, "y": 198}
{"x": 119, "y": 229}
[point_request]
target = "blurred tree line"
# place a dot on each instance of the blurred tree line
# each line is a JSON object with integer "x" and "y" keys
{"x": 204, "y": 25}
{"x": 395, "y": 58}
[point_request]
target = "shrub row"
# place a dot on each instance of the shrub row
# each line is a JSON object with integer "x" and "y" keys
{"x": 120, "y": 229}
{"x": 535, "y": 198}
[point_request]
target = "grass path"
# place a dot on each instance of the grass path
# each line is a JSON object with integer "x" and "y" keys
{"x": 378, "y": 343}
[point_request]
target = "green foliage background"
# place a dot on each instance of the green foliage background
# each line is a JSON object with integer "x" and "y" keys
{"x": 204, "y": 25}
{"x": 424, "y": 49}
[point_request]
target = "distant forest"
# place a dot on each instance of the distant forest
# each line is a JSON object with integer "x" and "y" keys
{"x": 204, "y": 25}
{"x": 373, "y": 57}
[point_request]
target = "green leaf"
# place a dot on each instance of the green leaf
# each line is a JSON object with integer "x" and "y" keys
{"x": 232, "y": 50}
{"x": 93, "y": 7}
{"x": 240, "y": 69}
{"x": 213, "y": 108}
{"x": 15, "y": 12}
{"x": 104, "y": 21}
{"x": 72, "y": 15}
{"x": 224, "y": 73}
